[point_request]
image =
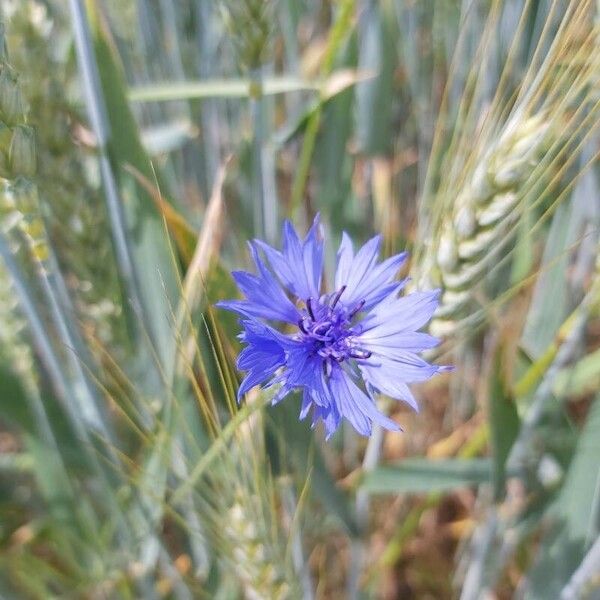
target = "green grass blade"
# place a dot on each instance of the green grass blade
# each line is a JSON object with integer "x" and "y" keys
{"x": 293, "y": 446}
{"x": 576, "y": 513}
{"x": 504, "y": 424}
{"x": 139, "y": 233}
{"x": 420, "y": 475}
{"x": 220, "y": 88}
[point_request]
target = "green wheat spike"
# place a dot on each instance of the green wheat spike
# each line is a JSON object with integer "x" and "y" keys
{"x": 68, "y": 189}
{"x": 14, "y": 348}
{"x": 249, "y": 523}
{"x": 17, "y": 163}
{"x": 258, "y": 570}
{"x": 515, "y": 157}
{"x": 483, "y": 214}
{"x": 249, "y": 24}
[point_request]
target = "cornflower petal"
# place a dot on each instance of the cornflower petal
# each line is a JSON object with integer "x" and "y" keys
{"x": 352, "y": 268}
{"x": 355, "y": 405}
{"x": 416, "y": 309}
{"x": 264, "y": 296}
{"x": 306, "y": 404}
{"x": 300, "y": 265}
{"x": 364, "y": 280}
{"x": 262, "y": 357}
{"x": 330, "y": 416}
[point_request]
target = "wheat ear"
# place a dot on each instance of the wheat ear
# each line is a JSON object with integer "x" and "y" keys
{"x": 484, "y": 216}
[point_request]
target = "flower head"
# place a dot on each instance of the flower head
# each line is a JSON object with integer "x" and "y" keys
{"x": 339, "y": 348}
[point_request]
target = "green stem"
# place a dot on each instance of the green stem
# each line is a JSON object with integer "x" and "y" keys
{"x": 339, "y": 32}
{"x": 258, "y": 136}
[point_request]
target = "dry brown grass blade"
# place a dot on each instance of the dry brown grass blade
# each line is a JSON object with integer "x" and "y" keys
{"x": 207, "y": 247}
{"x": 209, "y": 241}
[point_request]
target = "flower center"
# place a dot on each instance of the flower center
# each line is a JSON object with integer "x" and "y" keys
{"x": 329, "y": 328}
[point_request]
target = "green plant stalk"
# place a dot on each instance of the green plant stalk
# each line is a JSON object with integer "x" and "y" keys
{"x": 534, "y": 411}
{"x": 41, "y": 339}
{"x": 537, "y": 370}
{"x": 362, "y": 505}
{"x": 340, "y": 30}
{"x": 261, "y": 210}
{"x": 98, "y": 115}
{"x": 62, "y": 385}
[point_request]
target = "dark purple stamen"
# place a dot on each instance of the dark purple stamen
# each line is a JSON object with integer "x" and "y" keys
{"x": 337, "y": 296}
{"x": 322, "y": 327}
{"x": 356, "y": 309}
{"x": 321, "y": 338}
{"x": 310, "y": 309}
{"x": 332, "y": 331}
{"x": 302, "y": 325}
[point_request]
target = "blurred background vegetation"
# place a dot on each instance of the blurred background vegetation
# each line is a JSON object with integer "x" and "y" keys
{"x": 142, "y": 142}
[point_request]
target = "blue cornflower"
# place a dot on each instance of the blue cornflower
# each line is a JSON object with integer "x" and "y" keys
{"x": 338, "y": 348}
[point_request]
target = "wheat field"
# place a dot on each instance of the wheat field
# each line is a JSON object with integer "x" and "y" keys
{"x": 142, "y": 143}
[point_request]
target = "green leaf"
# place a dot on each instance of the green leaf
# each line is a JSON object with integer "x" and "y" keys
{"x": 331, "y": 162}
{"x": 378, "y": 37}
{"x": 576, "y": 513}
{"x": 243, "y": 88}
{"x": 550, "y": 303}
{"x": 292, "y": 441}
{"x": 582, "y": 378}
{"x": 422, "y": 475}
{"x": 218, "y": 88}
{"x": 15, "y": 406}
{"x": 338, "y": 86}
{"x": 167, "y": 137}
{"x": 504, "y": 425}
{"x": 153, "y": 264}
